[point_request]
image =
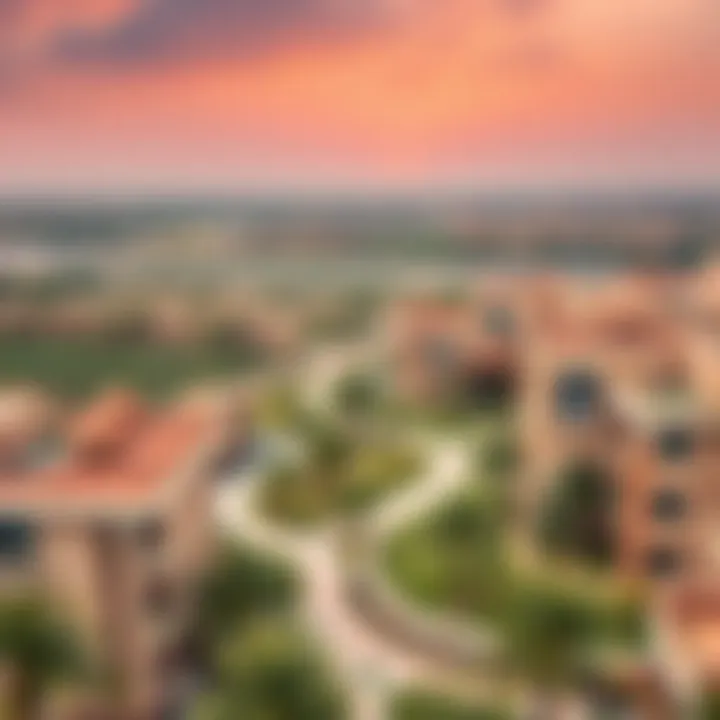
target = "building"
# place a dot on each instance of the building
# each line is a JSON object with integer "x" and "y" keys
{"x": 117, "y": 529}
{"x": 624, "y": 374}
{"x": 463, "y": 348}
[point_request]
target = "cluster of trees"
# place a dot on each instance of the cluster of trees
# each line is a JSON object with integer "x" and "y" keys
{"x": 259, "y": 662}
{"x": 577, "y": 519}
{"x": 262, "y": 663}
{"x": 39, "y": 651}
{"x": 422, "y": 705}
{"x": 710, "y": 707}
{"x": 357, "y": 396}
{"x": 456, "y": 560}
{"x": 77, "y": 368}
{"x": 342, "y": 472}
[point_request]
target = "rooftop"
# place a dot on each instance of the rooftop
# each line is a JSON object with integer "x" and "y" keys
{"x": 148, "y": 447}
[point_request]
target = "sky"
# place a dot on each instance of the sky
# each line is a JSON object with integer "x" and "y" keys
{"x": 226, "y": 95}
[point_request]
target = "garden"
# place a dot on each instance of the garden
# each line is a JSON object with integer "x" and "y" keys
{"x": 417, "y": 704}
{"x": 340, "y": 473}
{"x": 554, "y": 619}
{"x": 79, "y": 367}
{"x": 262, "y": 662}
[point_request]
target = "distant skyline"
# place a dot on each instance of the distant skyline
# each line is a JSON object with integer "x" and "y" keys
{"x": 257, "y": 96}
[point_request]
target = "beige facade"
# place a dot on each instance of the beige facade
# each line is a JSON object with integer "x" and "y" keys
{"x": 119, "y": 543}
{"x": 621, "y": 372}
{"x": 625, "y": 374}
{"x": 439, "y": 348}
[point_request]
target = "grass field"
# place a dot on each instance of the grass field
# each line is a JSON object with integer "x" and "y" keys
{"x": 79, "y": 367}
{"x": 416, "y": 704}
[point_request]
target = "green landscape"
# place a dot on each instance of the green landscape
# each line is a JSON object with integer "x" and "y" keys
{"x": 76, "y": 368}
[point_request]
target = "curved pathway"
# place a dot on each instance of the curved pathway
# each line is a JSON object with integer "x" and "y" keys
{"x": 371, "y": 663}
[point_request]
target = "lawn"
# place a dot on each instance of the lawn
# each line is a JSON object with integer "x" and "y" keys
{"x": 76, "y": 368}
{"x": 421, "y": 705}
{"x": 341, "y": 474}
{"x": 457, "y": 560}
{"x": 261, "y": 661}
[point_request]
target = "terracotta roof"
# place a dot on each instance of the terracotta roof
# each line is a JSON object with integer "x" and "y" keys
{"x": 162, "y": 444}
{"x": 110, "y": 420}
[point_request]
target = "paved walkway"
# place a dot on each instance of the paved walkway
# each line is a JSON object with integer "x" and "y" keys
{"x": 370, "y": 663}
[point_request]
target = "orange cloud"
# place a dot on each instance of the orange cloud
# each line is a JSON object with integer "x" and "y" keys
{"x": 28, "y": 25}
{"x": 459, "y": 83}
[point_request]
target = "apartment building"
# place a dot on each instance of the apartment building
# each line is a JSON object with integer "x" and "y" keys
{"x": 116, "y": 529}
{"x": 622, "y": 374}
{"x": 604, "y": 381}
{"x": 466, "y": 347}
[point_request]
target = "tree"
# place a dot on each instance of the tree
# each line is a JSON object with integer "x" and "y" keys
{"x": 357, "y": 395}
{"x": 501, "y": 455}
{"x": 130, "y": 328}
{"x": 271, "y": 670}
{"x": 330, "y": 451}
{"x": 38, "y": 649}
{"x": 423, "y": 705}
{"x": 710, "y": 707}
{"x": 240, "y": 584}
{"x": 577, "y": 518}
{"x": 546, "y": 632}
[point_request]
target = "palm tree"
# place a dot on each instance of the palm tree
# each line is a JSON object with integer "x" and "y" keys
{"x": 38, "y": 650}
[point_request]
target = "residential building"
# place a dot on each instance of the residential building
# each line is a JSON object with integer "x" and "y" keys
{"x": 117, "y": 530}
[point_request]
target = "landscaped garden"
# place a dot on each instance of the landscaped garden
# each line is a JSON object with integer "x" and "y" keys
{"x": 552, "y": 617}
{"x": 416, "y": 704}
{"x": 261, "y": 661}
{"x": 77, "y": 367}
{"x": 341, "y": 473}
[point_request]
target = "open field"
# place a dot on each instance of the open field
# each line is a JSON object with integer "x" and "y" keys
{"x": 76, "y": 368}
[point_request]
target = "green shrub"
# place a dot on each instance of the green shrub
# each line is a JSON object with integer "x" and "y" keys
{"x": 241, "y": 584}
{"x": 357, "y": 395}
{"x": 422, "y": 705}
{"x": 577, "y": 517}
{"x": 341, "y": 474}
{"x": 500, "y": 456}
{"x": 272, "y": 670}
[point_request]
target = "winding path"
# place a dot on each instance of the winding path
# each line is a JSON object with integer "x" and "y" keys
{"x": 371, "y": 663}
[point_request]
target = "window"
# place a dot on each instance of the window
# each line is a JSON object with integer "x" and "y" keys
{"x": 663, "y": 562}
{"x": 675, "y": 444}
{"x": 16, "y": 540}
{"x": 577, "y": 396}
{"x": 150, "y": 534}
{"x": 669, "y": 505}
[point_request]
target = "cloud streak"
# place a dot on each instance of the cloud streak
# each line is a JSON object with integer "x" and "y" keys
{"x": 212, "y": 87}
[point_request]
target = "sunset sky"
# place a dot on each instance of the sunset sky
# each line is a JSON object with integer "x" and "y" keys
{"x": 205, "y": 95}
